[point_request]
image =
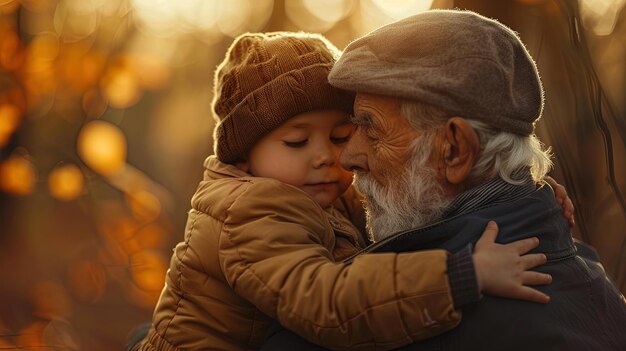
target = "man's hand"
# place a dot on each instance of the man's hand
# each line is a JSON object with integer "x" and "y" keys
{"x": 503, "y": 270}
{"x": 561, "y": 197}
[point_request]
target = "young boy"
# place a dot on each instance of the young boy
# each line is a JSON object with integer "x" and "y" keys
{"x": 269, "y": 224}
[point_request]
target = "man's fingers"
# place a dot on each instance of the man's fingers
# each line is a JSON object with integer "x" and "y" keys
{"x": 568, "y": 211}
{"x": 560, "y": 194}
{"x": 530, "y": 294}
{"x": 569, "y": 205}
{"x": 563, "y": 199}
{"x": 523, "y": 246}
{"x": 560, "y": 189}
{"x": 536, "y": 278}
{"x": 490, "y": 233}
{"x": 533, "y": 260}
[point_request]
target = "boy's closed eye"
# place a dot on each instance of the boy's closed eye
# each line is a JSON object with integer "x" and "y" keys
{"x": 295, "y": 144}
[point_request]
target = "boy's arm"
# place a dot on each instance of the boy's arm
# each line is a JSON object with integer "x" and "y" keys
{"x": 350, "y": 204}
{"x": 276, "y": 255}
{"x": 462, "y": 280}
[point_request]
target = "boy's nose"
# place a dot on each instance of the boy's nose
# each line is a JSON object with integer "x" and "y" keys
{"x": 325, "y": 156}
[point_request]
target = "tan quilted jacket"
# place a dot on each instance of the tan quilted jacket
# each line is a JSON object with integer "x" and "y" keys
{"x": 256, "y": 249}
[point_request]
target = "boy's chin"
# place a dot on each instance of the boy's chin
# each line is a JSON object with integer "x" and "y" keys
{"x": 324, "y": 200}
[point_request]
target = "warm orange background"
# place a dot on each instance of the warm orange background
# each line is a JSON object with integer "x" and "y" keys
{"x": 105, "y": 121}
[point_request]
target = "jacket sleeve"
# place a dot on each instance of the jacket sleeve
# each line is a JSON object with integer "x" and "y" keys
{"x": 276, "y": 255}
{"x": 351, "y": 206}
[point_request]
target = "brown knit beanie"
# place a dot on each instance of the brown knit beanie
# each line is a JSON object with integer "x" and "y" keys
{"x": 466, "y": 64}
{"x": 267, "y": 78}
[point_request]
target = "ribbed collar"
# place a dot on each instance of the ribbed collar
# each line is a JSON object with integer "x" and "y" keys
{"x": 494, "y": 191}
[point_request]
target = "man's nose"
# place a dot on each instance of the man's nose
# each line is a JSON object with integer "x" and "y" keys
{"x": 353, "y": 156}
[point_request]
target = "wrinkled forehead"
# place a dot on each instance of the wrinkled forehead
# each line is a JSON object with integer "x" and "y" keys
{"x": 369, "y": 108}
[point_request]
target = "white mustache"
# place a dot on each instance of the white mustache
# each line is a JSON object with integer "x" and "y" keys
{"x": 411, "y": 200}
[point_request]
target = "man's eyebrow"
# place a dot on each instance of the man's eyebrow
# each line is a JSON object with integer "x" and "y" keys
{"x": 363, "y": 119}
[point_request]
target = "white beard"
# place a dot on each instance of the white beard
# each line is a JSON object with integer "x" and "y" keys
{"x": 411, "y": 200}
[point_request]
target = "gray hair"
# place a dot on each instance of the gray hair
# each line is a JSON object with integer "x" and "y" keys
{"x": 501, "y": 153}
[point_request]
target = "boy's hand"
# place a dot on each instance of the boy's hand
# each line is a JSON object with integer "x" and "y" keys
{"x": 503, "y": 270}
{"x": 561, "y": 197}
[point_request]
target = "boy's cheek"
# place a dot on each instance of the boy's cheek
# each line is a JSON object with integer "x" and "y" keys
{"x": 346, "y": 180}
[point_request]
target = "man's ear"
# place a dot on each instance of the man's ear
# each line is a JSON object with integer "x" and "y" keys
{"x": 461, "y": 149}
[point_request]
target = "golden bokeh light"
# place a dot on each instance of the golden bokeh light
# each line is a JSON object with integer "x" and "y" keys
{"x": 87, "y": 280}
{"x": 81, "y": 70}
{"x": 600, "y": 16}
{"x": 299, "y": 12}
{"x": 116, "y": 231}
{"x": 39, "y": 5}
{"x": 66, "y": 182}
{"x": 17, "y": 175}
{"x": 37, "y": 22}
{"x": 11, "y": 49}
{"x": 173, "y": 18}
{"x": 148, "y": 270}
{"x": 9, "y": 121}
{"x": 239, "y": 16}
{"x": 54, "y": 334}
{"x": 116, "y": 8}
{"x": 376, "y": 13}
{"x": 152, "y": 236}
{"x": 152, "y": 72}
{"x": 124, "y": 235}
{"x": 9, "y": 6}
{"x": 112, "y": 255}
{"x": 329, "y": 10}
{"x": 82, "y": 7}
{"x": 45, "y": 47}
{"x": 31, "y": 336}
{"x": 142, "y": 298}
{"x": 102, "y": 146}
{"x": 14, "y": 96}
{"x": 121, "y": 87}
{"x": 397, "y": 9}
{"x": 94, "y": 104}
{"x": 40, "y": 79}
{"x": 41, "y": 76}
{"x": 73, "y": 26}
{"x": 145, "y": 206}
{"x": 50, "y": 300}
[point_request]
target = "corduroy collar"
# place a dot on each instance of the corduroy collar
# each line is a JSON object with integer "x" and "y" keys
{"x": 494, "y": 191}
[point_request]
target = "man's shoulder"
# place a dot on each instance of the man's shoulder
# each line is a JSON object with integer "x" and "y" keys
{"x": 455, "y": 232}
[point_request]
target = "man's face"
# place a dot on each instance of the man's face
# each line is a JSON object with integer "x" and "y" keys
{"x": 381, "y": 145}
{"x": 392, "y": 167}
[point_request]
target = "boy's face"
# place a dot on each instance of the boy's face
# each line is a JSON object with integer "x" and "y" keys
{"x": 304, "y": 152}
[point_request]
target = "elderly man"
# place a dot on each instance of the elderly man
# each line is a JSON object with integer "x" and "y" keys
{"x": 445, "y": 111}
